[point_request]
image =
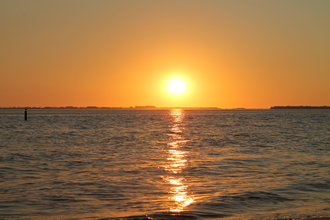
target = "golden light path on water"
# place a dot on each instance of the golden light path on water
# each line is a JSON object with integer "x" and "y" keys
{"x": 177, "y": 156}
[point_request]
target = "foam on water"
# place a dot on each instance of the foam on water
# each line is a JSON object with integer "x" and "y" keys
{"x": 160, "y": 164}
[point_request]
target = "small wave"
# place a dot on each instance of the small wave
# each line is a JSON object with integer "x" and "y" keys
{"x": 171, "y": 215}
{"x": 259, "y": 195}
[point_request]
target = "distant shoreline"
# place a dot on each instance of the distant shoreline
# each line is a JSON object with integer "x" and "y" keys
{"x": 300, "y": 107}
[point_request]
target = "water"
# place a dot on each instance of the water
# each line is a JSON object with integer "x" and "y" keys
{"x": 164, "y": 164}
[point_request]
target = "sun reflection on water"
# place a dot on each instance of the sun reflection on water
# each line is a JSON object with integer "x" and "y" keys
{"x": 179, "y": 191}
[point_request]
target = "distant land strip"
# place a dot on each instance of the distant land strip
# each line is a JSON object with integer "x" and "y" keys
{"x": 300, "y": 107}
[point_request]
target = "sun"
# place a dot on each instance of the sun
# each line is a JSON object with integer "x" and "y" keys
{"x": 177, "y": 86}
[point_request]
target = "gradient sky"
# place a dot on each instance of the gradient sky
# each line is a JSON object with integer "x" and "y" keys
{"x": 252, "y": 54}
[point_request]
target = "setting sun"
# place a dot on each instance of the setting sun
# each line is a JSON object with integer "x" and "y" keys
{"x": 177, "y": 86}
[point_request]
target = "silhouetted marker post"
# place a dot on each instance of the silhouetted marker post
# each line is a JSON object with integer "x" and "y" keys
{"x": 25, "y": 114}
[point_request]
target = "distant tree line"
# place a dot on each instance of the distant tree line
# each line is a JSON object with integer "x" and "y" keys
{"x": 300, "y": 107}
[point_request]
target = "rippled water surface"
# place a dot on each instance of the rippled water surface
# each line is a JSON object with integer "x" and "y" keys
{"x": 164, "y": 164}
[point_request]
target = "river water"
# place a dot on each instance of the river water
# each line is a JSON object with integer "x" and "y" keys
{"x": 164, "y": 164}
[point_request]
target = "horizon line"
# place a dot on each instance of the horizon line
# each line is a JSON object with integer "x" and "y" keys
{"x": 105, "y": 107}
{"x": 151, "y": 107}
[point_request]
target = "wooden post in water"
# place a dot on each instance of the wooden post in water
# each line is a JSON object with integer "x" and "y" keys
{"x": 25, "y": 114}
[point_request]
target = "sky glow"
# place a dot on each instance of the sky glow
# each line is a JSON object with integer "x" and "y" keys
{"x": 252, "y": 54}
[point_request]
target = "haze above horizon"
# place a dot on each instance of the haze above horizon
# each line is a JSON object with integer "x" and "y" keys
{"x": 228, "y": 54}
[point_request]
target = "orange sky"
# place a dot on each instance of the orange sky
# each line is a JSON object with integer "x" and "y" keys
{"x": 252, "y": 54}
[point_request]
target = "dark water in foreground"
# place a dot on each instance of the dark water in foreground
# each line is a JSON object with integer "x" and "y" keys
{"x": 144, "y": 164}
